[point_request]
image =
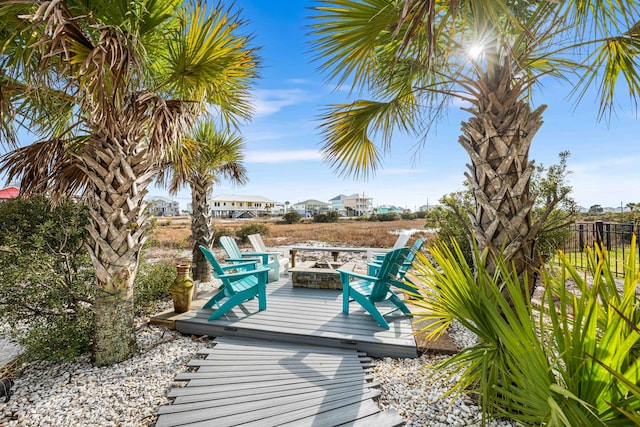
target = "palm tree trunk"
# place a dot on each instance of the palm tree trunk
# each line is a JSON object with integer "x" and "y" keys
{"x": 201, "y": 189}
{"x": 119, "y": 174}
{"x": 498, "y": 138}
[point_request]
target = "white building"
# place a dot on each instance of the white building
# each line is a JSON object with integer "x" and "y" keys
{"x": 358, "y": 205}
{"x": 161, "y": 206}
{"x": 353, "y": 205}
{"x": 336, "y": 204}
{"x": 309, "y": 208}
{"x": 235, "y": 206}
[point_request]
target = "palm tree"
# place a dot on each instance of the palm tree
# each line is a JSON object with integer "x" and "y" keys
{"x": 108, "y": 88}
{"x": 206, "y": 155}
{"x": 417, "y": 57}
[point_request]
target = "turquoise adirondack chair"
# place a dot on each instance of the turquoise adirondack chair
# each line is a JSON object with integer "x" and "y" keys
{"x": 406, "y": 265}
{"x": 235, "y": 256}
{"x": 279, "y": 261}
{"x": 237, "y": 287}
{"x": 377, "y": 255}
{"x": 368, "y": 290}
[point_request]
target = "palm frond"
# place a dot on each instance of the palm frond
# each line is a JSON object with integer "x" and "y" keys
{"x": 207, "y": 154}
{"x": 347, "y": 35}
{"x": 346, "y": 129}
{"x": 38, "y": 166}
{"x": 208, "y": 61}
{"x": 613, "y": 58}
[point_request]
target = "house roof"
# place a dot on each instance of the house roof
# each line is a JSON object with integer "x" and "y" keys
{"x": 9, "y": 193}
{"x": 162, "y": 199}
{"x": 239, "y": 198}
{"x": 312, "y": 202}
{"x": 340, "y": 197}
{"x": 358, "y": 196}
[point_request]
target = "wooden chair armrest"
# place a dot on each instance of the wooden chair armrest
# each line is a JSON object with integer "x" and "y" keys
{"x": 241, "y": 274}
{"x": 240, "y": 264}
{"x": 357, "y": 275}
{"x": 241, "y": 260}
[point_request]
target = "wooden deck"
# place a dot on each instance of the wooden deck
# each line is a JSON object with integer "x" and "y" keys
{"x": 307, "y": 316}
{"x": 263, "y": 383}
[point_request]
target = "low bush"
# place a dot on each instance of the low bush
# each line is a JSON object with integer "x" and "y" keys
{"x": 384, "y": 217}
{"x": 253, "y": 228}
{"x": 387, "y": 217}
{"x": 48, "y": 282}
{"x": 152, "y": 283}
{"x": 331, "y": 216}
{"x": 291, "y": 217}
{"x": 408, "y": 215}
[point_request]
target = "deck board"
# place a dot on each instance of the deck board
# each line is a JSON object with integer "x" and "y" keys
{"x": 307, "y": 316}
{"x": 302, "y": 385}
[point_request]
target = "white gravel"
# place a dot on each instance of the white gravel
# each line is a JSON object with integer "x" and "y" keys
{"x": 413, "y": 388}
{"x": 129, "y": 393}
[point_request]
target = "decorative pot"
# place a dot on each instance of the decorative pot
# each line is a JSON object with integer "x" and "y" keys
{"x": 182, "y": 289}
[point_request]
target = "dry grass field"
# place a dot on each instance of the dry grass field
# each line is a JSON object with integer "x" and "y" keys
{"x": 175, "y": 232}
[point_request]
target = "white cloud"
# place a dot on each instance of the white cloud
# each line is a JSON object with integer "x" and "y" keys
{"x": 299, "y": 81}
{"x": 271, "y": 101}
{"x": 281, "y": 156}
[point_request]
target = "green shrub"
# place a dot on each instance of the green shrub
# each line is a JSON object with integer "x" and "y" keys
{"x": 452, "y": 223}
{"x": 572, "y": 361}
{"x": 48, "y": 283}
{"x": 221, "y": 231}
{"x": 253, "y": 228}
{"x": 331, "y": 216}
{"x": 291, "y": 217}
{"x": 408, "y": 215}
{"x": 384, "y": 217}
{"x": 388, "y": 217}
{"x": 152, "y": 283}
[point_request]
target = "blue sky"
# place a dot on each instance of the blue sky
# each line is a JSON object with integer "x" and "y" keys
{"x": 283, "y": 142}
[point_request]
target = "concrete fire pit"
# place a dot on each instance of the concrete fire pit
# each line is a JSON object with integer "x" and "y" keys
{"x": 318, "y": 274}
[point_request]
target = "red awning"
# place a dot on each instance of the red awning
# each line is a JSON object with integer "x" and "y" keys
{"x": 9, "y": 193}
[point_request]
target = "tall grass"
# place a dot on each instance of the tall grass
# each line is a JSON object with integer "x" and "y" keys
{"x": 342, "y": 233}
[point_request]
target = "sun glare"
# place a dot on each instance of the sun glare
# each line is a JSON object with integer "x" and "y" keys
{"x": 475, "y": 51}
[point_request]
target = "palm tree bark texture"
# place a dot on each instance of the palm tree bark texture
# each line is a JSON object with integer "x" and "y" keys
{"x": 201, "y": 190}
{"x": 119, "y": 172}
{"x": 497, "y": 139}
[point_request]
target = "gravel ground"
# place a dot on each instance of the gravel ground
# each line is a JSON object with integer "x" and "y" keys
{"x": 129, "y": 393}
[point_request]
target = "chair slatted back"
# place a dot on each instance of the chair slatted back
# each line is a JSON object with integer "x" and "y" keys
{"x": 402, "y": 240}
{"x": 388, "y": 273}
{"x": 257, "y": 242}
{"x": 230, "y": 247}
{"x": 212, "y": 260}
{"x": 417, "y": 245}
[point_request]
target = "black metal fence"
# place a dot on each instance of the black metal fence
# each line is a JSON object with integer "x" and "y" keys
{"x": 615, "y": 237}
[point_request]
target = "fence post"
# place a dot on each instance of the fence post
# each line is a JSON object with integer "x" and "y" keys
{"x": 581, "y": 237}
{"x": 608, "y": 236}
{"x": 635, "y": 229}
